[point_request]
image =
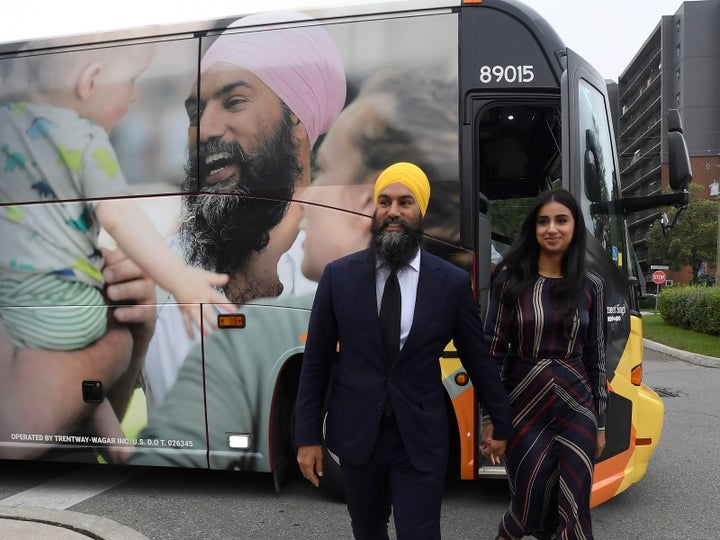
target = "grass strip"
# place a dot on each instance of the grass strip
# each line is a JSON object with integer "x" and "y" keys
{"x": 656, "y": 329}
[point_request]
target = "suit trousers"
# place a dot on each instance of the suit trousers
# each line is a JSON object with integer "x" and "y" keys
{"x": 388, "y": 481}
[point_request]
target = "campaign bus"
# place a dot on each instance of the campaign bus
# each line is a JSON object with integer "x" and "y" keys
{"x": 248, "y": 146}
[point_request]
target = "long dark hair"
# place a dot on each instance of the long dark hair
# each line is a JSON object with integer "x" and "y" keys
{"x": 521, "y": 260}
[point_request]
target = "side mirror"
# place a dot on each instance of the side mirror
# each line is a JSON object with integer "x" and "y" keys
{"x": 590, "y": 164}
{"x": 678, "y": 156}
{"x": 674, "y": 122}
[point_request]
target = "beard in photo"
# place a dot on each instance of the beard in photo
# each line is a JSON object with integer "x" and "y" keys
{"x": 395, "y": 249}
{"x": 227, "y": 222}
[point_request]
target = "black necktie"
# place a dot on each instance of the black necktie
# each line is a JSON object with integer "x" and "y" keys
{"x": 390, "y": 308}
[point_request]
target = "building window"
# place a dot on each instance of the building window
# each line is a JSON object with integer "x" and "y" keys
{"x": 677, "y": 24}
{"x": 677, "y": 99}
{"x": 677, "y": 50}
{"x": 677, "y": 75}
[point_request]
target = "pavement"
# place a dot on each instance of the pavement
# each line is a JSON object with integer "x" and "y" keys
{"x": 693, "y": 358}
{"x": 31, "y": 523}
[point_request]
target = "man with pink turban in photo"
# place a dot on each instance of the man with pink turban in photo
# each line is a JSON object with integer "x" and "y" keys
{"x": 269, "y": 86}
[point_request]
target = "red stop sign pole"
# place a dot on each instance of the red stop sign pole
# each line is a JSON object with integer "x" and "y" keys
{"x": 659, "y": 277}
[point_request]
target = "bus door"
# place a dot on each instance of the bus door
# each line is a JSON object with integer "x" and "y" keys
{"x": 516, "y": 155}
{"x": 509, "y": 78}
{"x": 515, "y": 152}
{"x": 590, "y": 171}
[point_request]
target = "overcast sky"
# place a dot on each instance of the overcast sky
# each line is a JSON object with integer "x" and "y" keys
{"x": 607, "y": 33}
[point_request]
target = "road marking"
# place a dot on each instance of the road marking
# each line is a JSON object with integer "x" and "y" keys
{"x": 70, "y": 489}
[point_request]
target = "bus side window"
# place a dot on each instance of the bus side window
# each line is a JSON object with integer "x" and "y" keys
{"x": 599, "y": 179}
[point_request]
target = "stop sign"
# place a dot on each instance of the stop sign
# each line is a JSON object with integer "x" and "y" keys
{"x": 659, "y": 277}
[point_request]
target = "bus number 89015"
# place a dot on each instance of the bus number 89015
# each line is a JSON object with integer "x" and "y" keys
{"x": 509, "y": 74}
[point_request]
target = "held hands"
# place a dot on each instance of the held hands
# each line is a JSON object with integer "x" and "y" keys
{"x": 196, "y": 287}
{"x": 489, "y": 447}
{"x": 310, "y": 460}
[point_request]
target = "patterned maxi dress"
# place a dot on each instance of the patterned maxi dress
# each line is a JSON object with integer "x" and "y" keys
{"x": 558, "y": 393}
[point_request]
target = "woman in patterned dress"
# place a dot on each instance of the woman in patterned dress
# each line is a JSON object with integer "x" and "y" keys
{"x": 545, "y": 328}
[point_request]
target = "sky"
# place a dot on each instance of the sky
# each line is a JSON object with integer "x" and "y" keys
{"x": 606, "y": 33}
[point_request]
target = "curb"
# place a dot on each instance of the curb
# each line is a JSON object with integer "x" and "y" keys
{"x": 51, "y": 523}
{"x": 693, "y": 358}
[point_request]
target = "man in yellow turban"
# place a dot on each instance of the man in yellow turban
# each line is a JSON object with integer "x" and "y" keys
{"x": 392, "y": 308}
{"x": 411, "y": 176}
{"x": 401, "y": 195}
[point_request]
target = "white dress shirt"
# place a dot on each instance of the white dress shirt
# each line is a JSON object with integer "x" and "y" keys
{"x": 408, "y": 279}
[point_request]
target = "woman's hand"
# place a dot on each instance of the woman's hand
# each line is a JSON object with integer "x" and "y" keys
{"x": 489, "y": 447}
{"x": 600, "y": 444}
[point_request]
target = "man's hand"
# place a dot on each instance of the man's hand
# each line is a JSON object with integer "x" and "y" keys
{"x": 135, "y": 293}
{"x": 489, "y": 447}
{"x": 310, "y": 460}
{"x": 126, "y": 283}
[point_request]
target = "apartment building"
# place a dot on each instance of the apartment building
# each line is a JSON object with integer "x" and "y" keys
{"x": 678, "y": 67}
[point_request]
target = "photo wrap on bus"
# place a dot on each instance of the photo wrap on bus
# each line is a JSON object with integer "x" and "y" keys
{"x": 245, "y": 171}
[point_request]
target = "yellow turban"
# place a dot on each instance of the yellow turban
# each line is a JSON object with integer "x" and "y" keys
{"x": 410, "y": 176}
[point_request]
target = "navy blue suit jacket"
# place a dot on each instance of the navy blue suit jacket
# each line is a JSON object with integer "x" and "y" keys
{"x": 345, "y": 311}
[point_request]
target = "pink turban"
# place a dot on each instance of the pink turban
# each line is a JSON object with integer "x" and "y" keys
{"x": 302, "y": 65}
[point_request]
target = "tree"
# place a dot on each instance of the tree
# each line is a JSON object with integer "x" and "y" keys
{"x": 693, "y": 239}
{"x": 507, "y": 215}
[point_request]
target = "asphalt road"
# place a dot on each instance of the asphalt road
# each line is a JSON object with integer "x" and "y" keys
{"x": 677, "y": 498}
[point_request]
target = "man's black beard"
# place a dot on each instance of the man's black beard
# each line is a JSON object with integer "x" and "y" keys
{"x": 395, "y": 249}
{"x": 231, "y": 220}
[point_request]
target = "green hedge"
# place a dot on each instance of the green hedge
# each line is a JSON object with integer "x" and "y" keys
{"x": 694, "y": 308}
